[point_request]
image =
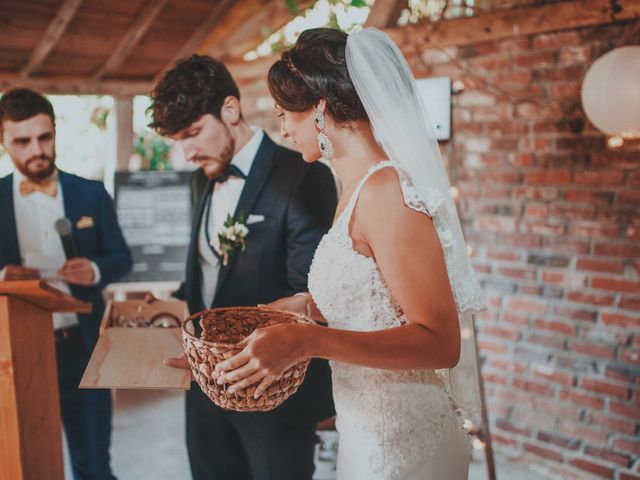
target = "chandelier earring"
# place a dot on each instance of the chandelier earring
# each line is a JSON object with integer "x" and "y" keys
{"x": 324, "y": 144}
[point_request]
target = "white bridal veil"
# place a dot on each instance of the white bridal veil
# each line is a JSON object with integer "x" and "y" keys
{"x": 388, "y": 92}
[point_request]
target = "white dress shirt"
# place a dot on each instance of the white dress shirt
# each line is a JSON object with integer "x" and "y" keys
{"x": 40, "y": 245}
{"x": 224, "y": 201}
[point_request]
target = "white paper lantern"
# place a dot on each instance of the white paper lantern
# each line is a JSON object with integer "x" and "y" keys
{"x": 611, "y": 92}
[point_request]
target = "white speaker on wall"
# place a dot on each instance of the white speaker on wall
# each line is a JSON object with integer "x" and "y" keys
{"x": 436, "y": 97}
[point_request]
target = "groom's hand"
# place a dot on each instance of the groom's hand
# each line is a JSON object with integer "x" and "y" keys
{"x": 177, "y": 362}
{"x": 151, "y": 298}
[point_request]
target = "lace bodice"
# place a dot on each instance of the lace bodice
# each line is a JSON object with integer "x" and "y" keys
{"x": 400, "y": 416}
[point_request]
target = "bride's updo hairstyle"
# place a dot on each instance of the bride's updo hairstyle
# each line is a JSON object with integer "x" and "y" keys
{"x": 315, "y": 68}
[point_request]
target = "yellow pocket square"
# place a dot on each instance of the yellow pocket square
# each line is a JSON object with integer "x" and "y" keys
{"x": 84, "y": 222}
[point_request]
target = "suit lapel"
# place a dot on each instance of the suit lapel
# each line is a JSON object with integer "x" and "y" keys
{"x": 68, "y": 193}
{"x": 10, "y": 233}
{"x": 193, "y": 276}
{"x": 260, "y": 169}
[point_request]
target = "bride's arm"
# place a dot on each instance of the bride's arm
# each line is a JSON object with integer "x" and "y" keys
{"x": 301, "y": 303}
{"x": 407, "y": 250}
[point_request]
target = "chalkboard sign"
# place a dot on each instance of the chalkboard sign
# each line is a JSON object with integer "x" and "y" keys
{"x": 154, "y": 212}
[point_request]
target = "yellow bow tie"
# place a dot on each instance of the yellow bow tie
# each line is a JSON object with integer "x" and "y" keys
{"x": 48, "y": 188}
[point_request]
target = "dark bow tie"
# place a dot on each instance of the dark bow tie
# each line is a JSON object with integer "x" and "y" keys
{"x": 230, "y": 171}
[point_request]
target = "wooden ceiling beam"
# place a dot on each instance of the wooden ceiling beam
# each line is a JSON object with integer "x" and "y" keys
{"x": 75, "y": 85}
{"x": 136, "y": 31}
{"x": 251, "y": 71}
{"x": 55, "y": 30}
{"x": 487, "y": 27}
{"x": 493, "y": 26}
{"x": 215, "y": 16}
{"x": 385, "y": 14}
{"x": 244, "y": 27}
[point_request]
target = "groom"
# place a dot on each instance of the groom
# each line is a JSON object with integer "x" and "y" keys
{"x": 287, "y": 205}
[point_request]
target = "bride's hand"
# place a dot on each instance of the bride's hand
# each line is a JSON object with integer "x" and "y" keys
{"x": 267, "y": 353}
{"x": 295, "y": 304}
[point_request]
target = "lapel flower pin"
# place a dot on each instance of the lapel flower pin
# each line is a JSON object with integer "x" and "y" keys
{"x": 232, "y": 236}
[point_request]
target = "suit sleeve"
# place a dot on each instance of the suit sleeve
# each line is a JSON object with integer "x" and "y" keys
{"x": 180, "y": 293}
{"x": 309, "y": 216}
{"x": 113, "y": 258}
{"x": 197, "y": 185}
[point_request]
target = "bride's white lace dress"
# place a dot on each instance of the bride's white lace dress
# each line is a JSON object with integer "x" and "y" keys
{"x": 392, "y": 424}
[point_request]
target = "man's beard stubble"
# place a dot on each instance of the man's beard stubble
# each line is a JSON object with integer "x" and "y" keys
{"x": 224, "y": 158}
{"x": 41, "y": 174}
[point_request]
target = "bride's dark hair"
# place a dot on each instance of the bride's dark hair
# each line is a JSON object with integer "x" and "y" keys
{"x": 313, "y": 69}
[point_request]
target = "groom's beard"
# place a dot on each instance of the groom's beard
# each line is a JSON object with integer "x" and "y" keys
{"x": 38, "y": 168}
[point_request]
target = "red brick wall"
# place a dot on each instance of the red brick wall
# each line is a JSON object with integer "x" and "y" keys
{"x": 553, "y": 218}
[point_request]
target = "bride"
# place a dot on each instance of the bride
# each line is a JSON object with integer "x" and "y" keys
{"x": 391, "y": 278}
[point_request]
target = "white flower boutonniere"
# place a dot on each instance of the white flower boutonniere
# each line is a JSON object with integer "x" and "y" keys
{"x": 232, "y": 236}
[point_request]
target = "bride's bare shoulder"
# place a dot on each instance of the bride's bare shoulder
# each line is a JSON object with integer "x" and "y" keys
{"x": 383, "y": 208}
{"x": 382, "y": 191}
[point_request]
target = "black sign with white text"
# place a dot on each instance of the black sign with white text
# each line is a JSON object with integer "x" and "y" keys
{"x": 154, "y": 212}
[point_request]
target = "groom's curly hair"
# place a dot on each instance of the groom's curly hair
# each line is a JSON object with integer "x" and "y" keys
{"x": 313, "y": 69}
{"x": 193, "y": 87}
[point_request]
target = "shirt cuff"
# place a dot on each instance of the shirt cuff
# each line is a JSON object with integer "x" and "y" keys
{"x": 2, "y": 273}
{"x": 96, "y": 273}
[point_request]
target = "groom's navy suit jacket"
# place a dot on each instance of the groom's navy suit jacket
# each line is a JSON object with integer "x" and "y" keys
{"x": 102, "y": 243}
{"x": 298, "y": 201}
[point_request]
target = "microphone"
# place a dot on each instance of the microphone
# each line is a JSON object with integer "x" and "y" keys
{"x": 63, "y": 227}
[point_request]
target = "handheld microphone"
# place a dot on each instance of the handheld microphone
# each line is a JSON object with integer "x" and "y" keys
{"x": 63, "y": 227}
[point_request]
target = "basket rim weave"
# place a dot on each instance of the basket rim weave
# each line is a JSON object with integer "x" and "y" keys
{"x": 204, "y": 354}
{"x": 298, "y": 317}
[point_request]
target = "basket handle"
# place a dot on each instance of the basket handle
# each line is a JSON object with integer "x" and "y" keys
{"x": 188, "y": 326}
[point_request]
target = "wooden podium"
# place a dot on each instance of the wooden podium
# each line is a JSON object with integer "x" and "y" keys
{"x": 30, "y": 426}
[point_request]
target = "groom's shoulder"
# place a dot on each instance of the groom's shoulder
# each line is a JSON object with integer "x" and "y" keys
{"x": 6, "y": 180}
{"x": 287, "y": 159}
{"x": 85, "y": 186}
{"x": 291, "y": 163}
{"x": 81, "y": 187}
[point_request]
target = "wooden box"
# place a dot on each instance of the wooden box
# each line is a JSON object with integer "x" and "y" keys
{"x": 131, "y": 356}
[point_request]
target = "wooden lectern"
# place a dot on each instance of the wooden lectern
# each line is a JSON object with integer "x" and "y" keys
{"x": 30, "y": 426}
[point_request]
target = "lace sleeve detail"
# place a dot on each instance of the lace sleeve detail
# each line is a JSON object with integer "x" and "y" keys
{"x": 431, "y": 206}
{"x": 412, "y": 198}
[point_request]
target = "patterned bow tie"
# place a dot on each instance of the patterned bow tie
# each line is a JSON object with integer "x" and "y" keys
{"x": 230, "y": 171}
{"x": 48, "y": 188}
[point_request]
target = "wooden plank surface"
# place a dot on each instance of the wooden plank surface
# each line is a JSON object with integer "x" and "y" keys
{"x": 243, "y": 27}
{"x": 132, "y": 358}
{"x": 208, "y": 24}
{"x": 76, "y": 85}
{"x": 30, "y": 436}
{"x": 137, "y": 30}
{"x": 515, "y": 22}
{"x": 10, "y": 445}
{"x": 55, "y": 30}
{"x": 43, "y": 295}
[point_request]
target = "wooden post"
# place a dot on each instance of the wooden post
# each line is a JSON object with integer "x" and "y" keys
{"x": 124, "y": 123}
{"x": 30, "y": 427}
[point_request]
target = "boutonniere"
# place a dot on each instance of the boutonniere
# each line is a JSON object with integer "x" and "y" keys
{"x": 232, "y": 236}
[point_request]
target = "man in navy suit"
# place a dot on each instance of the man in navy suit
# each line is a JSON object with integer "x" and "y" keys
{"x": 287, "y": 206}
{"x": 31, "y": 200}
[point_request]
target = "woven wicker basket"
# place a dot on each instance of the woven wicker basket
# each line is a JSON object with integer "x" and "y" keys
{"x": 222, "y": 329}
